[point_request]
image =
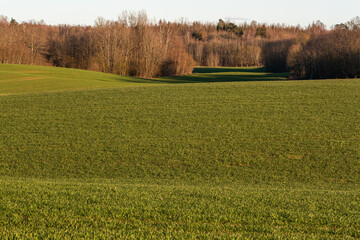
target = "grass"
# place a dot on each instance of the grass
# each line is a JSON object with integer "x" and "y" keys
{"x": 228, "y": 153}
{"x": 73, "y": 209}
{"x": 22, "y": 79}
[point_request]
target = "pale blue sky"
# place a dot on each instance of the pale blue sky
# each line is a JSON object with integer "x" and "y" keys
{"x": 270, "y": 11}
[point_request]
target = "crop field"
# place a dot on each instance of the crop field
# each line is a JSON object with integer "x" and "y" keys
{"x": 222, "y": 153}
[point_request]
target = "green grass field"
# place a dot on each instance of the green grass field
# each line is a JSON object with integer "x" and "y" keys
{"x": 224, "y": 153}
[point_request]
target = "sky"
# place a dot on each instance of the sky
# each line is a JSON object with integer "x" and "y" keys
{"x": 84, "y": 12}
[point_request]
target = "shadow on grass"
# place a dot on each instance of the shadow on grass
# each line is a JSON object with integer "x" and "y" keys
{"x": 229, "y": 69}
{"x": 126, "y": 79}
{"x": 204, "y": 75}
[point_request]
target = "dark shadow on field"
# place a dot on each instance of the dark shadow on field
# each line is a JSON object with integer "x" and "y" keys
{"x": 229, "y": 69}
{"x": 210, "y": 74}
{"x": 225, "y": 78}
{"x": 121, "y": 78}
{"x": 206, "y": 75}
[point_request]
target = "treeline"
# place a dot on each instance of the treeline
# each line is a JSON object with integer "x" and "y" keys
{"x": 318, "y": 53}
{"x": 313, "y": 52}
{"x": 132, "y": 45}
{"x": 328, "y": 54}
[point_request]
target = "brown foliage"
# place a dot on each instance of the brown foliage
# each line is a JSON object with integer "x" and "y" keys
{"x": 275, "y": 54}
{"x": 71, "y": 47}
{"x": 129, "y": 46}
{"x": 220, "y": 47}
{"x": 333, "y": 54}
{"x": 22, "y": 44}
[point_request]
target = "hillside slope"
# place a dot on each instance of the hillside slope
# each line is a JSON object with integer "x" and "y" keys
{"x": 20, "y": 79}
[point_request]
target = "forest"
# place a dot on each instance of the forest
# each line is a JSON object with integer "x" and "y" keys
{"x": 133, "y": 45}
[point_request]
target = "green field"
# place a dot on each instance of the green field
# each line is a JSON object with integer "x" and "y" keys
{"x": 224, "y": 153}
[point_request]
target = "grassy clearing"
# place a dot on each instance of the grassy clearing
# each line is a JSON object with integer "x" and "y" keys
{"x": 224, "y": 157}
